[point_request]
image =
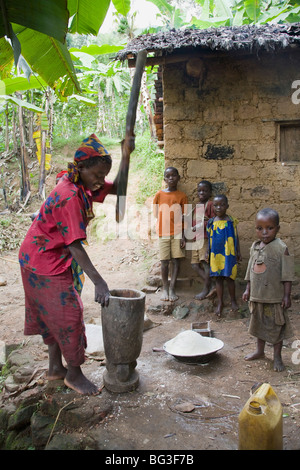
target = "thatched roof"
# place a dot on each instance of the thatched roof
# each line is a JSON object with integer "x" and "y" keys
{"x": 246, "y": 38}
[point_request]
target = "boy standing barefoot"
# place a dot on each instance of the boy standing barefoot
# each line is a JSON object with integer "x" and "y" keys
{"x": 169, "y": 206}
{"x": 270, "y": 273}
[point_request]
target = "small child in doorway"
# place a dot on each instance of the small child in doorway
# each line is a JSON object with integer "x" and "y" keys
{"x": 203, "y": 211}
{"x": 223, "y": 250}
{"x": 169, "y": 206}
{"x": 269, "y": 274}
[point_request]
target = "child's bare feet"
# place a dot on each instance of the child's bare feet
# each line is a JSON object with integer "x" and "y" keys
{"x": 219, "y": 310}
{"x": 165, "y": 295}
{"x": 202, "y": 294}
{"x": 172, "y": 296}
{"x": 259, "y": 352}
{"x": 212, "y": 293}
{"x": 278, "y": 364}
{"x": 255, "y": 355}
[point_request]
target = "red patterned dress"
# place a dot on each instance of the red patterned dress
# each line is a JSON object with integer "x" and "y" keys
{"x": 53, "y": 307}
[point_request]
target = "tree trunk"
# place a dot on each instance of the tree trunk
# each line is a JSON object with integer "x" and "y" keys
{"x": 49, "y": 112}
{"x": 145, "y": 95}
{"x": 102, "y": 113}
{"x": 6, "y": 130}
{"x": 42, "y": 166}
{"x": 25, "y": 189}
{"x": 14, "y": 128}
{"x": 30, "y": 115}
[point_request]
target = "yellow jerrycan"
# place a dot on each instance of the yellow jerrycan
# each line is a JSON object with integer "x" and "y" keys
{"x": 260, "y": 421}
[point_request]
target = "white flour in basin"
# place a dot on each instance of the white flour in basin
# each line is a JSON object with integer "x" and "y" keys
{"x": 190, "y": 343}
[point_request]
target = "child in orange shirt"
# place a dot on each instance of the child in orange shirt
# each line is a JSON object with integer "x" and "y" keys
{"x": 169, "y": 206}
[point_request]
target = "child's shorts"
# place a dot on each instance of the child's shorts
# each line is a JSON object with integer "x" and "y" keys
{"x": 269, "y": 322}
{"x": 170, "y": 248}
{"x": 199, "y": 250}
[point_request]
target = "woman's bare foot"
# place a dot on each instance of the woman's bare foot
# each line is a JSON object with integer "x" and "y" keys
{"x": 78, "y": 382}
{"x": 56, "y": 370}
{"x": 57, "y": 373}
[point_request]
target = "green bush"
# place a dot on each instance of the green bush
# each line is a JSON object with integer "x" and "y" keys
{"x": 150, "y": 161}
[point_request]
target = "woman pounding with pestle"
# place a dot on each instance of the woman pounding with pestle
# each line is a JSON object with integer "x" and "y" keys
{"x": 53, "y": 307}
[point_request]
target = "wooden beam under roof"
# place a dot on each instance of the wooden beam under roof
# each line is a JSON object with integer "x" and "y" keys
{"x": 176, "y": 57}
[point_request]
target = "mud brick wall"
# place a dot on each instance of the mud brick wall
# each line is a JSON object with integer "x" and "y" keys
{"x": 222, "y": 123}
{"x": 158, "y": 107}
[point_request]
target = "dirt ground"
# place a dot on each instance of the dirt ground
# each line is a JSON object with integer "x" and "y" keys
{"x": 149, "y": 418}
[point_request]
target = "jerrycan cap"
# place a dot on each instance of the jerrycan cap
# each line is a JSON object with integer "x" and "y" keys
{"x": 255, "y": 407}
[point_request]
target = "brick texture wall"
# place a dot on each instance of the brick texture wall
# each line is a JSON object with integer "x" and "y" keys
{"x": 222, "y": 123}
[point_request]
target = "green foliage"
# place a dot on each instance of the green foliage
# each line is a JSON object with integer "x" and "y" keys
{"x": 172, "y": 17}
{"x": 12, "y": 84}
{"x": 27, "y": 25}
{"x": 10, "y": 238}
{"x": 236, "y": 13}
{"x": 87, "y": 15}
{"x": 151, "y": 163}
{"x": 22, "y": 103}
{"x": 75, "y": 140}
{"x": 84, "y": 63}
{"x": 3, "y": 375}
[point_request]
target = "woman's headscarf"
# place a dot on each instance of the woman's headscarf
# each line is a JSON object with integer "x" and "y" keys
{"x": 89, "y": 148}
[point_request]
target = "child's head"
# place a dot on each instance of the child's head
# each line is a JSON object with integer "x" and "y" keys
{"x": 171, "y": 177}
{"x": 220, "y": 205}
{"x": 267, "y": 225}
{"x": 204, "y": 190}
{"x": 92, "y": 162}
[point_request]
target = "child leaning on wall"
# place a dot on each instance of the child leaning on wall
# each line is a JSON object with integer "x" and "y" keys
{"x": 203, "y": 211}
{"x": 269, "y": 274}
{"x": 169, "y": 206}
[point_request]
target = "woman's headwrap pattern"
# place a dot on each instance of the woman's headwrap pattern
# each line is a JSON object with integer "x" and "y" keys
{"x": 89, "y": 148}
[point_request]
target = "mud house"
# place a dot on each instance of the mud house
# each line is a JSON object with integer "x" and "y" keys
{"x": 231, "y": 114}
